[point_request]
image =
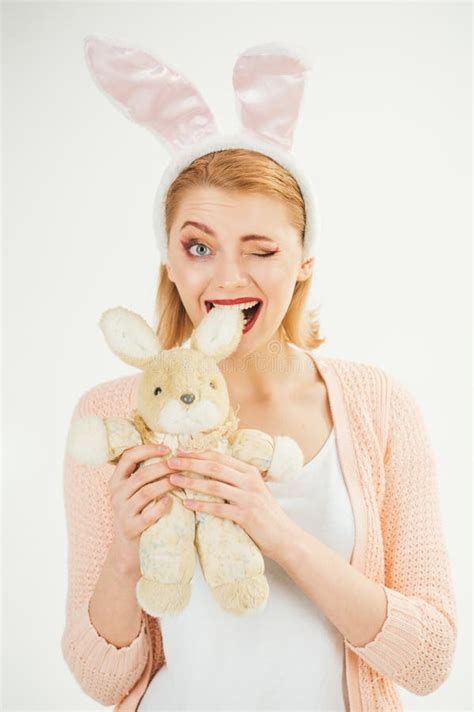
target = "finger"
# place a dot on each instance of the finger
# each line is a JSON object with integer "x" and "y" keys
{"x": 223, "y": 457}
{"x": 152, "y": 492}
{"x": 132, "y": 457}
{"x": 151, "y": 514}
{"x": 146, "y": 474}
{"x": 225, "y": 511}
{"x": 213, "y": 487}
{"x": 211, "y": 468}
{"x": 159, "y": 506}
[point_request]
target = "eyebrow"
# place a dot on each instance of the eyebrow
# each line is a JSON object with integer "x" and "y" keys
{"x": 209, "y": 231}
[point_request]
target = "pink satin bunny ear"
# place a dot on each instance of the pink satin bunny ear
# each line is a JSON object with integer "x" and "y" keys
{"x": 269, "y": 82}
{"x": 149, "y": 92}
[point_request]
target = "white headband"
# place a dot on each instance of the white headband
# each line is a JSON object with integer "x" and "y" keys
{"x": 268, "y": 83}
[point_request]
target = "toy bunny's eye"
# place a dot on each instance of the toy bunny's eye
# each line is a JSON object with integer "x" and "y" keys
{"x": 157, "y": 390}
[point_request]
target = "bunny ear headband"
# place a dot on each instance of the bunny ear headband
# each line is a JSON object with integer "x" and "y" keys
{"x": 268, "y": 83}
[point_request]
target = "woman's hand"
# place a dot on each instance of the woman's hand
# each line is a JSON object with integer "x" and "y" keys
{"x": 139, "y": 498}
{"x": 249, "y": 502}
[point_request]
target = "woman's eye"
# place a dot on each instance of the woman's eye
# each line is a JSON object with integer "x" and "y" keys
{"x": 197, "y": 244}
{"x": 201, "y": 245}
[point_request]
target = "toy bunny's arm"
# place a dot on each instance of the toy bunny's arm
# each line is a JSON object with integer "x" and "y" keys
{"x": 122, "y": 434}
{"x": 93, "y": 440}
{"x": 278, "y": 458}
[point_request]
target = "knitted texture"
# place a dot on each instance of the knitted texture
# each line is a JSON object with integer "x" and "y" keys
{"x": 404, "y": 550}
{"x": 105, "y": 673}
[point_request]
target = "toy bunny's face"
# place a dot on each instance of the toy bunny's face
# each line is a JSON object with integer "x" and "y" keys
{"x": 183, "y": 391}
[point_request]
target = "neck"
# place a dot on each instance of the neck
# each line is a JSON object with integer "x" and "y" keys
{"x": 267, "y": 374}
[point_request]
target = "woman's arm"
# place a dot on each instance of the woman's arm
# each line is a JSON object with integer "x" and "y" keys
{"x": 103, "y": 670}
{"x": 336, "y": 587}
{"x": 412, "y": 642}
{"x": 113, "y": 607}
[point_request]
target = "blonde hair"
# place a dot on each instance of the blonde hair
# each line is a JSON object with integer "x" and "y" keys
{"x": 236, "y": 169}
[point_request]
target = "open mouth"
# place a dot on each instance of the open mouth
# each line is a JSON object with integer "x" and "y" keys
{"x": 251, "y": 311}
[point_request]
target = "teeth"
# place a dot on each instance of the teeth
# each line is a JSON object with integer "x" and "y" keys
{"x": 244, "y": 305}
{"x": 240, "y": 307}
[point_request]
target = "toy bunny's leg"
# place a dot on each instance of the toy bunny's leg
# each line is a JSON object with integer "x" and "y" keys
{"x": 232, "y": 564}
{"x": 167, "y": 561}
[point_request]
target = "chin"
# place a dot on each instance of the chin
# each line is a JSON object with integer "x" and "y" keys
{"x": 250, "y": 343}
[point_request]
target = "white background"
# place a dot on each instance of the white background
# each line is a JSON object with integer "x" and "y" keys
{"x": 385, "y": 133}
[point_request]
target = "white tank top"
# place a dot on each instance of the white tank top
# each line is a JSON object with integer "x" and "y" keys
{"x": 287, "y": 656}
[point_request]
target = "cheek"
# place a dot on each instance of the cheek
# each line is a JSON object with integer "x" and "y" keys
{"x": 188, "y": 279}
{"x": 190, "y": 285}
{"x": 276, "y": 281}
{"x": 273, "y": 270}
{"x": 278, "y": 290}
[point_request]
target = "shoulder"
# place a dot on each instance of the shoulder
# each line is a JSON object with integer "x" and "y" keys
{"x": 365, "y": 388}
{"x": 358, "y": 377}
{"x": 374, "y": 383}
{"x": 376, "y": 391}
{"x": 112, "y": 398}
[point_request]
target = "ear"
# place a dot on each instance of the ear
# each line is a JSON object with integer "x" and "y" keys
{"x": 306, "y": 269}
{"x": 129, "y": 336}
{"x": 218, "y": 334}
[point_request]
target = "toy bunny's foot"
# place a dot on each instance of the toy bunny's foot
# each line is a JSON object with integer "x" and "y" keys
{"x": 243, "y": 597}
{"x": 158, "y": 599}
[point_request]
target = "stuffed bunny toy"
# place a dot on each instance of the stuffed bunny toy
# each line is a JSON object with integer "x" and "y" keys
{"x": 182, "y": 401}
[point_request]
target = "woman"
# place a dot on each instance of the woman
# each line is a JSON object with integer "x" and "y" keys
{"x": 361, "y": 598}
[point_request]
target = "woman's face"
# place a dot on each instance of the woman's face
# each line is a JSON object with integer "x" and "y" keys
{"x": 227, "y": 245}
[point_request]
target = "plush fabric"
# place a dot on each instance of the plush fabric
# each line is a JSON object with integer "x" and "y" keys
{"x": 390, "y": 469}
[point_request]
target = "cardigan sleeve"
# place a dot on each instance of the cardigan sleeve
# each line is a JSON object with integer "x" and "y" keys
{"x": 415, "y": 646}
{"x": 105, "y": 672}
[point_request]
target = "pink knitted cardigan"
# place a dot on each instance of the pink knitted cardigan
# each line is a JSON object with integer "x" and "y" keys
{"x": 390, "y": 472}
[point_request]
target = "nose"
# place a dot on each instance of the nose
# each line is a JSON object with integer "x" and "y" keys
{"x": 231, "y": 276}
{"x": 188, "y": 397}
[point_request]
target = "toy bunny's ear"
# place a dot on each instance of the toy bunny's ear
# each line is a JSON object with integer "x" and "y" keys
{"x": 129, "y": 336}
{"x": 219, "y": 332}
{"x": 149, "y": 92}
{"x": 269, "y": 81}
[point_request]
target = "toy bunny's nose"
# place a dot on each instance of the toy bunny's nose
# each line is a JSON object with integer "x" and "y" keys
{"x": 188, "y": 397}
